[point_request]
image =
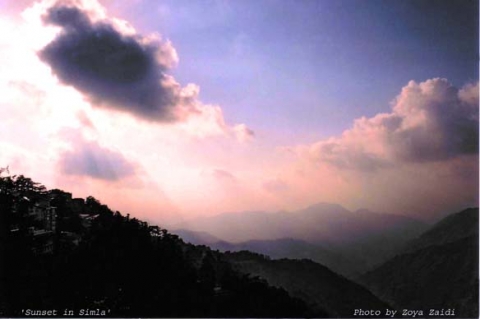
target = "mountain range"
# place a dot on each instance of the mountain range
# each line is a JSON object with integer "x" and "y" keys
{"x": 277, "y": 249}
{"x": 348, "y": 242}
{"x": 127, "y": 268}
{"x": 432, "y": 269}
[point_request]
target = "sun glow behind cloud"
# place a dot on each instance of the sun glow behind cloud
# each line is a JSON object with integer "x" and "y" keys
{"x": 68, "y": 134}
{"x": 57, "y": 128}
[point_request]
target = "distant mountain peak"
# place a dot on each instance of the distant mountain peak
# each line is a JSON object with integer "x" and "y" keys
{"x": 363, "y": 210}
{"x": 323, "y": 206}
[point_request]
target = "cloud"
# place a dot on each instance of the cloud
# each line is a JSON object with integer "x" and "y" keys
{"x": 243, "y": 133}
{"x": 276, "y": 186}
{"x": 91, "y": 160}
{"x": 114, "y": 67}
{"x": 117, "y": 69}
{"x": 430, "y": 121}
{"x": 85, "y": 120}
{"x": 223, "y": 176}
{"x": 218, "y": 176}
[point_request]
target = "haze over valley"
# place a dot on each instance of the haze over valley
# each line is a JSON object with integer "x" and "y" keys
{"x": 323, "y": 232}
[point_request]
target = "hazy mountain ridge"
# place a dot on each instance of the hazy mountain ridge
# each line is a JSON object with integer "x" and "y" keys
{"x": 293, "y": 249}
{"x": 363, "y": 237}
{"x": 196, "y": 237}
{"x": 450, "y": 229}
{"x": 314, "y": 283}
{"x": 439, "y": 269}
{"x": 277, "y": 249}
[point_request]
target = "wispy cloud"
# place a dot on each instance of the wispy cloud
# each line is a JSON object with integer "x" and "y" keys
{"x": 89, "y": 159}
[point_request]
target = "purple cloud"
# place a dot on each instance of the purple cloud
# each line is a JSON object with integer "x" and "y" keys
{"x": 92, "y": 160}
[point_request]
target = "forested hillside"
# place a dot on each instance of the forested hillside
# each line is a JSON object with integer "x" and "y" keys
{"x": 96, "y": 260}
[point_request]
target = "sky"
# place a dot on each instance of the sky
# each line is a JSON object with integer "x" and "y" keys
{"x": 173, "y": 109}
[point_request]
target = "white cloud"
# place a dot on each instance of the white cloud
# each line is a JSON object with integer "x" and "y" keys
{"x": 429, "y": 121}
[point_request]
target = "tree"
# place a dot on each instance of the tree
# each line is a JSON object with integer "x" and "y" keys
{"x": 25, "y": 186}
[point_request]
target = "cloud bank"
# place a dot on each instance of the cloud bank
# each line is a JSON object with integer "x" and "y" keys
{"x": 430, "y": 121}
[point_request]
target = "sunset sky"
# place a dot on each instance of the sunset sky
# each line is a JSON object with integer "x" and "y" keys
{"x": 170, "y": 110}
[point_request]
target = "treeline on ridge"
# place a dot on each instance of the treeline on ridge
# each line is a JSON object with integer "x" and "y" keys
{"x": 79, "y": 254}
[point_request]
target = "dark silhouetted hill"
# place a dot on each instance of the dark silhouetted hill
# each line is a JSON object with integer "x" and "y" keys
{"x": 292, "y": 249}
{"x": 439, "y": 269}
{"x": 450, "y": 229}
{"x": 196, "y": 237}
{"x": 80, "y": 255}
{"x": 315, "y": 284}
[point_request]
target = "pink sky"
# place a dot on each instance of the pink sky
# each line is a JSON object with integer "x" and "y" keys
{"x": 418, "y": 157}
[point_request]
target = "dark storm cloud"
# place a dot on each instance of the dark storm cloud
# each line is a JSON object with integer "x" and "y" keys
{"x": 113, "y": 70}
{"x": 91, "y": 160}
